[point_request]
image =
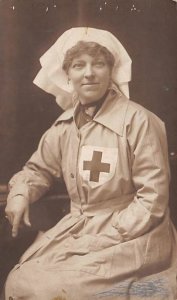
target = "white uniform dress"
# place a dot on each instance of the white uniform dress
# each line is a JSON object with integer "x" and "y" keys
{"x": 118, "y": 242}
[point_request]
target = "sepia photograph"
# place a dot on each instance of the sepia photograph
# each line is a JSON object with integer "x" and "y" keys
{"x": 88, "y": 139}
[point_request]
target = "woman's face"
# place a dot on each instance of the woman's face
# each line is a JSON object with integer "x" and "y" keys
{"x": 90, "y": 77}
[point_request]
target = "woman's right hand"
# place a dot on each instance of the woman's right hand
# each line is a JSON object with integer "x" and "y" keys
{"x": 17, "y": 211}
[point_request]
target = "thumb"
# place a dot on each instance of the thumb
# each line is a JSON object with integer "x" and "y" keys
{"x": 26, "y": 217}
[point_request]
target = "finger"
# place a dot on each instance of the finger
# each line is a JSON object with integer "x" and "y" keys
{"x": 15, "y": 225}
{"x": 26, "y": 218}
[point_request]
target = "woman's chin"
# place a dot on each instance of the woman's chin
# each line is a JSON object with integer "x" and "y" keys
{"x": 91, "y": 99}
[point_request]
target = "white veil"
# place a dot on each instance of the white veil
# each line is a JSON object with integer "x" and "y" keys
{"x": 53, "y": 79}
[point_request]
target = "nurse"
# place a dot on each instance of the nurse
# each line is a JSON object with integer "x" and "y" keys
{"x": 118, "y": 241}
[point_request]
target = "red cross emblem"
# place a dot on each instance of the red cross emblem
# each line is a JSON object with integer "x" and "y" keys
{"x": 95, "y": 166}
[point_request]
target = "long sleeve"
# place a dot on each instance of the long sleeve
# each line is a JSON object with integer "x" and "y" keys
{"x": 150, "y": 175}
{"x": 42, "y": 168}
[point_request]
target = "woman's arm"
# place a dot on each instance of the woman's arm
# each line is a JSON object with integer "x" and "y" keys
{"x": 34, "y": 180}
{"x": 150, "y": 176}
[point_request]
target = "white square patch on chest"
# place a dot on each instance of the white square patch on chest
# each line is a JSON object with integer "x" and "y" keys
{"x": 97, "y": 165}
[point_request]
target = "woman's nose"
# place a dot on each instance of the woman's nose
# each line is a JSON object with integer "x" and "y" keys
{"x": 89, "y": 72}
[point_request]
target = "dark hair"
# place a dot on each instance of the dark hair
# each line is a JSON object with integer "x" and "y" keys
{"x": 91, "y": 48}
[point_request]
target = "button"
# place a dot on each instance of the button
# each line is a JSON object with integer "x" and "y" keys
{"x": 72, "y": 175}
{"x": 75, "y": 236}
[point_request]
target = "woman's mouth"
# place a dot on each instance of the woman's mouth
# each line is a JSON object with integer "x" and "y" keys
{"x": 90, "y": 83}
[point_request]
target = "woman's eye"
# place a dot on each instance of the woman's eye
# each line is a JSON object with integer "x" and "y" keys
{"x": 78, "y": 65}
{"x": 100, "y": 64}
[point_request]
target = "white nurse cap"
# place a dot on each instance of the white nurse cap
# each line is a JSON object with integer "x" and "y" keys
{"x": 53, "y": 79}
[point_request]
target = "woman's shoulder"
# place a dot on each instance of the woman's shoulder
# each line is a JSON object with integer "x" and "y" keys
{"x": 59, "y": 126}
{"x": 138, "y": 111}
{"x": 65, "y": 116}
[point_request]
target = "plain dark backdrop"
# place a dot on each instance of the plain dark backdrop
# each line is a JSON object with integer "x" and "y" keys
{"x": 147, "y": 29}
